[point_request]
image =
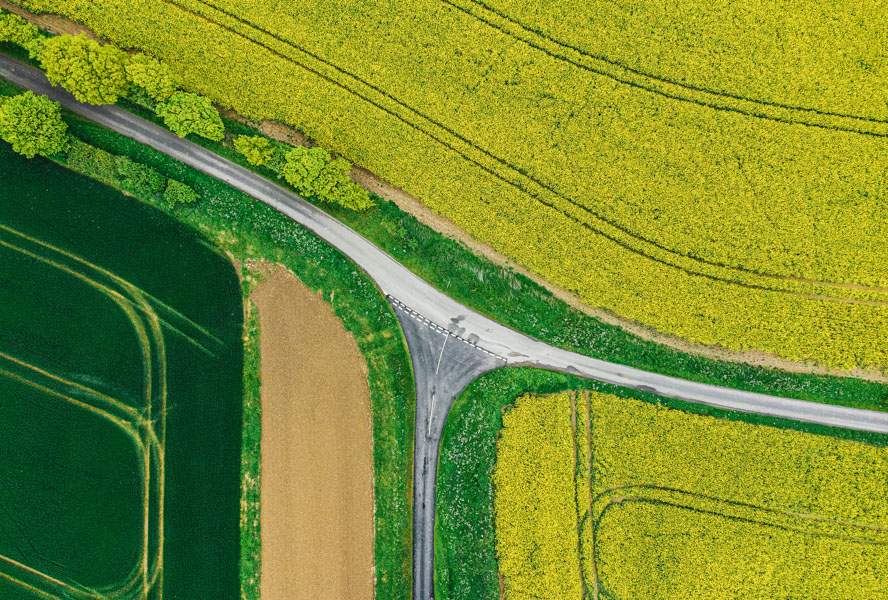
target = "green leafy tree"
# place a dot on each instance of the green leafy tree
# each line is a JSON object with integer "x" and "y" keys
{"x": 186, "y": 113}
{"x": 256, "y": 148}
{"x": 177, "y": 193}
{"x": 33, "y": 125}
{"x": 312, "y": 171}
{"x": 35, "y": 48}
{"x": 153, "y": 76}
{"x": 353, "y": 196}
{"x": 303, "y": 166}
{"x": 15, "y": 29}
{"x": 94, "y": 73}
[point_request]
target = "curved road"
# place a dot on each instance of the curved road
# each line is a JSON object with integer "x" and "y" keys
{"x": 413, "y": 296}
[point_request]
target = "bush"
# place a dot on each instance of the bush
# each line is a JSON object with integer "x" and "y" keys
{"x": 94, "y": 73}
{"x": 92, "y": 162}
{"x": 311, "y": 171}
{"x": 138, "y": 179}
{"x": 302, "y": 166}
{"x": 257, "y": 149}
{"x": 178, "y": 193}
{"x": 153, "y": 76}
{"x": 32, "y": 124}
{"x": 186, "y": 113}
{"x": 16, "y": 30}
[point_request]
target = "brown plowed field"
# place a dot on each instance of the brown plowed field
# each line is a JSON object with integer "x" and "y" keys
{"x": 317, "y": 453}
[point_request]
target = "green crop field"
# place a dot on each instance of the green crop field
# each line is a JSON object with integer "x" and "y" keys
{"x": 120, "y": 382}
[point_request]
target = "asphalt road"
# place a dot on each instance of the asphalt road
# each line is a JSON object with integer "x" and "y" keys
{"x": 414, "y": 294}
{"x": 443, "y": 365}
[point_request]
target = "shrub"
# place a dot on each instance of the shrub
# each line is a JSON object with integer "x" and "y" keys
{"x": 138, "y": 179}
{"x": 94, "y": 73}
{"x": 92, "y": 162}
{"x": 311, "y": 171}
{"x": 302, "y": 167}
{"x": 186, "y": 113}
{"x": 178, "y": 193}
{"x": 257, "y": 149}
{"x": 32, "y": 124}
{"x": 153, "y": 76}
{"x": 16, "y": 30}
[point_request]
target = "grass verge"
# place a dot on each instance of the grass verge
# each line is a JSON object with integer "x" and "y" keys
{"x": 251, "y": 456}
{"x": 465, "y": 555}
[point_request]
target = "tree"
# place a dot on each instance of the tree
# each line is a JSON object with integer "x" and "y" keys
{"x": 93, "y": 73}
{"x": 302, "y": 167}
{"x": 186, "y": 113}
{"x": 33, "y": 125}
{"x": 312, "y": 171}
{"x": 15, "y": 29}
{"x": 178, "y": 193}
{"x": 155, "y": 77}
{"x": 256, "y": 148}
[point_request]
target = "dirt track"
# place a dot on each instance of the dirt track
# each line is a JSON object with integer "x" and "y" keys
{"x": 317, "y": 466}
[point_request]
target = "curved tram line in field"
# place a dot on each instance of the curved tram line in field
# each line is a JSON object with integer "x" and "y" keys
{"x": 145, "y": 427}
{"x": 784, "y": 520}
{"x": 663, "y": 86}
{"x": 527, "y": 183}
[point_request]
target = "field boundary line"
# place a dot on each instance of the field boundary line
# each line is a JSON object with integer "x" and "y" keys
{"x": 793, "y": 281}
{"x": 620, "y": 494}
{"x": 626, "y": 73}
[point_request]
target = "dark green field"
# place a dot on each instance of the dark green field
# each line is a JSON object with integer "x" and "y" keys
{"x": 120, "y": 396}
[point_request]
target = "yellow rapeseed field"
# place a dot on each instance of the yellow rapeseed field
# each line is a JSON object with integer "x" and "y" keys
{"x": 716, "y": 170}
{"x": 689, "y": 506}
{"x": 536, "y": 514}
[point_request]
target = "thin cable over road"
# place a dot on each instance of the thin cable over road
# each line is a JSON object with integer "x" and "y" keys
{"x": 416, "y": 299}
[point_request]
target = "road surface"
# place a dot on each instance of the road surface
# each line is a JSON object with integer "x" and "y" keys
{"x": 412, "y": 295}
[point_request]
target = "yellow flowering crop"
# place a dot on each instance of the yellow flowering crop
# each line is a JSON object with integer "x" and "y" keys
{"x": 715, "y": 170}
{"x": 535, "y": 512}
{"x": 689, "y": 506}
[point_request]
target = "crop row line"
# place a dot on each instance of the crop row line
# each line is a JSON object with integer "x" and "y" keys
{"x": 536, "y": 195}
{"x": 626, "y": 72}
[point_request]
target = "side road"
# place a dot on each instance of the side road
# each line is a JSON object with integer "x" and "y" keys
{"x": 416, "y": 301}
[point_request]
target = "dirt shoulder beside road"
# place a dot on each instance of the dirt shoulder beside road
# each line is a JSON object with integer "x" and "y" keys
{"x": 317, "y": 449}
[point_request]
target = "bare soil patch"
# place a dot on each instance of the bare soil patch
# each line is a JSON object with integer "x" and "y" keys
{"x": 51, "y": 23}
{"x": 317, "y": 451}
